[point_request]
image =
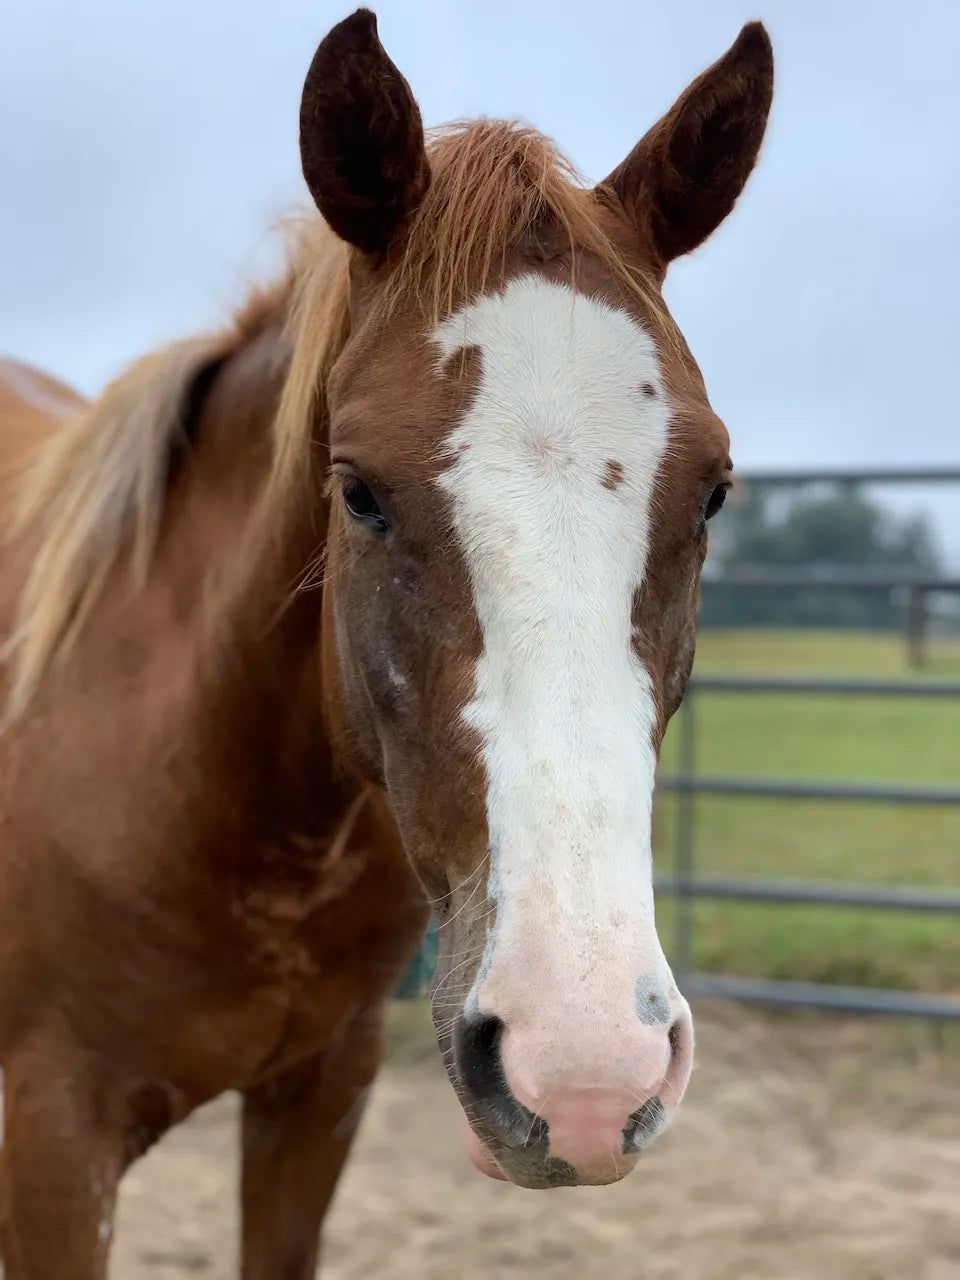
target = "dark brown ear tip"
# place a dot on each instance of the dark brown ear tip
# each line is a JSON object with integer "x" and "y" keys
{"x": 351, "y": 39}
{"x": 754, "y": 43}
{"x": 358, "y": 30}
{"x": 362, "y": 20}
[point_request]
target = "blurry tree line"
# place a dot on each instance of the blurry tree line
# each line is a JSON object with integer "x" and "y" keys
{"x": 829, "y": 528}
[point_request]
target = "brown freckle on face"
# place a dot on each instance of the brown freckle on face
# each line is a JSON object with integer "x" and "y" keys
{"x": 612, "y": 474}
{"x": 648, "y": 389}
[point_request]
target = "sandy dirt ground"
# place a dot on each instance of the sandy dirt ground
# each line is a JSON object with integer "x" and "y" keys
{"x": 807, "y": 1150}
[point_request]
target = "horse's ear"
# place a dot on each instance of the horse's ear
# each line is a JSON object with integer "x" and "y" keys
{"x": 361, "y": 137}
{"x": 683, "y": 178}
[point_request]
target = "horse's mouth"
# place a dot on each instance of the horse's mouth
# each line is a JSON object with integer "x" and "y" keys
{"x": 534, "y": 1169}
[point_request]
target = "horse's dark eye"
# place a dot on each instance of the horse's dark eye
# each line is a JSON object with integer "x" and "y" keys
{"x": 359, "y": 500}
{"x": 715, "y": 501}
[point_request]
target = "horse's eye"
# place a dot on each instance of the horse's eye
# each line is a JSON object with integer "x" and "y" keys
{"x": 715, "y": 501}
{"x": 360, "y": 502}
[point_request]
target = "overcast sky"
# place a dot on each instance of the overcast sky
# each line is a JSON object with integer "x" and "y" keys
{"x": 146, "y": 146}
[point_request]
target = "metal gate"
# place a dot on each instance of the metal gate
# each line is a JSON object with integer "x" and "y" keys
{"x": 688, "y": 886}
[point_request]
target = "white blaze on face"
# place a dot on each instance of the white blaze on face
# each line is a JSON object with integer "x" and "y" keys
{"x": 562, "y": 704}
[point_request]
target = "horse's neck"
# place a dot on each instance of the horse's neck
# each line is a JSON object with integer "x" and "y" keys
{"x": 257, "y": 676}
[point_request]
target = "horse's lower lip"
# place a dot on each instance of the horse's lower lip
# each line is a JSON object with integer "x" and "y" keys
{"x": 479, "y": 1153}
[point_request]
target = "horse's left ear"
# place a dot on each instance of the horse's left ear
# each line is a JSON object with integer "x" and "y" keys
{"x": 683, "y": 178}
{"x": 361, "y": 137}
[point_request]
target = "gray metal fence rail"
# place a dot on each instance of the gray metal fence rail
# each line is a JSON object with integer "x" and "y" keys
{"x": 687, "y": 886}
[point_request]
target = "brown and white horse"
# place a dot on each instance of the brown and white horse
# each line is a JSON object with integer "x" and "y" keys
{"x": 385, "y": 593}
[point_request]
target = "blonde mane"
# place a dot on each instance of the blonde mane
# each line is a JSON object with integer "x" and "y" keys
{"x": 97, "y": 489}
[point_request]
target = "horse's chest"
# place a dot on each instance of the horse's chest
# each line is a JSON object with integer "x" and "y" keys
{"x": 322, "y": 951}
{"x": 294, "y": 923}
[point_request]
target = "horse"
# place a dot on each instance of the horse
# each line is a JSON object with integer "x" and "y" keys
{"x": 374, "y": 602}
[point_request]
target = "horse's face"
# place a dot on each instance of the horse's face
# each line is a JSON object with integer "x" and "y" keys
{"x": 519, "y": 511}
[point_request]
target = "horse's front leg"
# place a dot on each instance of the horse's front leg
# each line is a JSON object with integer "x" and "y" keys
{"x": 61, "y": 1157}
{"x": 297, "y": 1131}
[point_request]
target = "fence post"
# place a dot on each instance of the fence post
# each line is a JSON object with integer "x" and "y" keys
{"x": 684, "y": 850}
{"x": 916, "y": 627}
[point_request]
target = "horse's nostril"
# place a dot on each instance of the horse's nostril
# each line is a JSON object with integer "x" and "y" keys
{"x": 674, "y": 1035}
{"x": 477, "y": 1046}
{"x": 645, "y": 1123}
{"x": 681, "y": 1059}
{"x": 480, "y": 1067}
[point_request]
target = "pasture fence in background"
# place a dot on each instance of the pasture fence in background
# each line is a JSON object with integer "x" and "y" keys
{"x": 913, "y": 588}
{"x": 687, "y": 886}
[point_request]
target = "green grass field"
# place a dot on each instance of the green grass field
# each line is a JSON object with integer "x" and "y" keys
{"x": 815, "y": 736}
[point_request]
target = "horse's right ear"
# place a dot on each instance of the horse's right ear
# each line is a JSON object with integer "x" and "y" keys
{"x": 361, "y": 138}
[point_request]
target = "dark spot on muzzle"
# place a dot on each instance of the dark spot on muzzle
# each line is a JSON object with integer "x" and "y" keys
{"x": 652, "y": 1002}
